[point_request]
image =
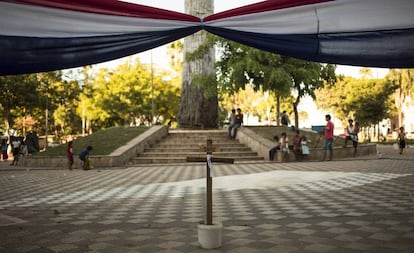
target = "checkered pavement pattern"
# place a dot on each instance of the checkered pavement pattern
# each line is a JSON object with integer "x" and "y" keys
{"x": 361, "y": 205}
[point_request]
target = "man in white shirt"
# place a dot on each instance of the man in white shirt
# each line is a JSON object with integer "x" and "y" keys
{"x": 351, "y": 134}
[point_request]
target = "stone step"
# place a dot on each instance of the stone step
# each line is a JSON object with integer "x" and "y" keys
{"x": 180, "y": 144}
{"x": 203, "y": 141}
{"x": 198, "y": 154}
{"x": 172, "y": 145}
{"x": 181, "y": 149}
{"x": 200, "y": 137}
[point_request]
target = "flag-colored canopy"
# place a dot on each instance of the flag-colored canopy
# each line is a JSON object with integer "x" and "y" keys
{"x": 43, "y": 35}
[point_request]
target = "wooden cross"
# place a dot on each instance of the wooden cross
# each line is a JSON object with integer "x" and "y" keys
{"x": 209, "y": 194}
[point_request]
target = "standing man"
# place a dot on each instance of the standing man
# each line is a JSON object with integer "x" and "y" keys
{"x": 329, "y": 136}
{"x": 284, "y": 119}
{"x": 238, "y": 122}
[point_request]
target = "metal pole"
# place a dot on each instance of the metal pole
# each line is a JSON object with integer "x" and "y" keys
{"x": 152, "y": 91}
{"x": 209, "y": 197}
{"x": 46, "y": 118}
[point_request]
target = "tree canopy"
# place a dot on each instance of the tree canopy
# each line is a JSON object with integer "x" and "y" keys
{"x": 284, "y": 76}
{"x": 80, "y": 100}
{"x": 366, "y": 100}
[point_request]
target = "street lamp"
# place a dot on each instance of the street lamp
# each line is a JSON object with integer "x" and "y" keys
{"x": 152, "y": 91}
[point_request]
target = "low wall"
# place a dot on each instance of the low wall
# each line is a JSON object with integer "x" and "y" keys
{"x": 119, "y": 157}
{"x": 262, "y": 146}
{"x": 254, "y": 141}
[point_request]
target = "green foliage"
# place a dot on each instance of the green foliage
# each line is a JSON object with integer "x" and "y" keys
{"x": 174, "y": 51}
{"x": 403, "y": 81}
{"x": 257, "y": 103}
{"x": 209, "y": 84}
{"x": 67, "y": 101}
{"x": 203, "y": 49}
{"x": 367, "y": 100}
{"x": 124, "y": 96}
{"x": 104, "y": 141}
{"x": 240, "y": 65}
{"x": 19, "y": 95}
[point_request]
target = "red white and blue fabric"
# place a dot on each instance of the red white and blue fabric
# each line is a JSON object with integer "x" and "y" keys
{"x": 43, "y": 35}
{"x": 375, "y": 33}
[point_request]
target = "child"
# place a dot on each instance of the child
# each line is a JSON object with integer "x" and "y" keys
{"x": 84, "y": 157}
{"x": 401, "y": 140}
{"x": 69, "y": 153}
{"x": 297, "y": 145}
{"x": 4, "y": 147}
{"x": 284, "y": 142}
{"x": 305, "y": 147}
{"x": 16, "y": 150}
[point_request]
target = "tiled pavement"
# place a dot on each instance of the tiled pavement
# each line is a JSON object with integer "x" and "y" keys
{"x": 357, "y": 205}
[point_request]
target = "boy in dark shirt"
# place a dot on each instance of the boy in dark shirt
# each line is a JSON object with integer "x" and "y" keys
{"x": 84, "y": 157}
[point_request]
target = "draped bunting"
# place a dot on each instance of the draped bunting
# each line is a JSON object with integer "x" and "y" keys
{"x": 373, "y": 33}
{"x": 43, "y": 35}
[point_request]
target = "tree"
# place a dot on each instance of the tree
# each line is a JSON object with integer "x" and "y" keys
{"x": 57, "y": 103}
{"x": 403, "y": 79}
{"x": 253, "y": 103}
{"x": 199, "y": 102}
{"x": 65, "y": 96}
{"x": 285, "y": 76}
{"x": 240, "y": 65}
{"x": 19, "y": 95}
{"x": 366, "y": 100}
{"x": 124, "y": 96}
{"x": 307, "y": 77}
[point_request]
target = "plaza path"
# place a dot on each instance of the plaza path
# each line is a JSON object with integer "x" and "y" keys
{"x": 362, "y": 204}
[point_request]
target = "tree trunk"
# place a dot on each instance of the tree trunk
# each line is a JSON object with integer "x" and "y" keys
{"x": 295, "y": 110}
{"x": 199, "y": 102}
{"x": 278, "y": 109}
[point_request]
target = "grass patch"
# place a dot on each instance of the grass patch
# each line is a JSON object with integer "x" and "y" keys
{"x": 103, "y": 142}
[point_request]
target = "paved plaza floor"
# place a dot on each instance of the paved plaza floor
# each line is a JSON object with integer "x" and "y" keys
{"x": 362, "y": 204}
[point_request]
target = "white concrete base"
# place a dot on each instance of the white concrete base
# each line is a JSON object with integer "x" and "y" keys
{"x": 209, "y": 236}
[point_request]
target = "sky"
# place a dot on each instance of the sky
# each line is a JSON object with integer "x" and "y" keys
{"x": 157, "y": 54}
{"x": 178, "y": 5}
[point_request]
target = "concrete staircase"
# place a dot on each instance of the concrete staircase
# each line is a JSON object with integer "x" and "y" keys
{"x": 180, "y": 144}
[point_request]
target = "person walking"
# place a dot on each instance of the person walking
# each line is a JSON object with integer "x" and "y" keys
{"x": 329, "y": 137}
{"x": 69, "y": 154}
{"x": 401, "y": 140}
{"x": 284, "y": 119}
{"x": 15, "y": 149}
